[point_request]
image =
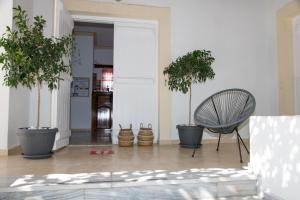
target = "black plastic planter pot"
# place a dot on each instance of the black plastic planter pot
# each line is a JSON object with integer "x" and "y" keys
{"x": 37, "y": 143}
{"x": 190, "y": 136}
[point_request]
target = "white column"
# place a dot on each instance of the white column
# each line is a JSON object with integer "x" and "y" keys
{"x": 6, "y": 20}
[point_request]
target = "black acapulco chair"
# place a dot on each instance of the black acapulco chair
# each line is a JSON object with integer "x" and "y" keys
{"x": 224, "y": 111}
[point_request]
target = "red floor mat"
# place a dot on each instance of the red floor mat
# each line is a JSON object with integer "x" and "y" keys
{"x": 101, "y": 152}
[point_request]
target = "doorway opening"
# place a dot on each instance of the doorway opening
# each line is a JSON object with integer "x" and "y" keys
{"x": 92, "y": 85}
{"x": 118, "y": 88}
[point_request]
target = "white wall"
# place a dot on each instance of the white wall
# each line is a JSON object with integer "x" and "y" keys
{"x": 18, "y": 113}
{"x": 21, "y": 100}
{"x": 237, "y": 34}
{"x": 103, "y": 42}
{"x": 14, "y": 113}
{"x": 5, "y": 16}
{"x": 275, "y": 154}
{"x": 280, "y": 3}
{"x": 103, "y": 56}
{"x": 82, "y": 67}
{"x": 26, "y": 5}
{"x": 104, "y": 35}
{"x": 44, "y": 8}
{"x": 18, "y": 98}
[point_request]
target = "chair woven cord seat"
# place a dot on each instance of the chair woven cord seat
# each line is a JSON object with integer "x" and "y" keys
{"x": 224, "y": 111}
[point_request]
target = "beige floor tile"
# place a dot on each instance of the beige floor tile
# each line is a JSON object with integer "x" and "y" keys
{"x": 74, "y": 159}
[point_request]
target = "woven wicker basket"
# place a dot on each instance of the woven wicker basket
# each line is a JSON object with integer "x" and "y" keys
{"x": 145, "y": 143}
{"x": 146, "y": 131}
{"x": 126, "y": 137}
{"x": 126, "y": 131}
{"x": 145, "y": 138}
{"x": 125, "y": 143}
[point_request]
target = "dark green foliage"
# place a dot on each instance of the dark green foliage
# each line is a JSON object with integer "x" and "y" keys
{"x": 194, "y": 67}
{"x": 29, "y": 57}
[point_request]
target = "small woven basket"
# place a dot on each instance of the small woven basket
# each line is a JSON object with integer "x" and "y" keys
{"x": 125, "y": 143}
{"x": 126, "y": 137}
{"x": 126, "y": 131}
{"x": 146, "y": 131}
{"x": 145, "y": 136}
{"x": 145, "y": 143}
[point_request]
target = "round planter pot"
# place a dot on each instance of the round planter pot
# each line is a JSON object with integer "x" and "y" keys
{"x": 190, "y": 136}
{"x": 37, "y": 143}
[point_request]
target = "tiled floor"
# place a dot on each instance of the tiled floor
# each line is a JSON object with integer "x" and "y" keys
{"x": 74, "y": 159}
{"x": 85, "y": 138}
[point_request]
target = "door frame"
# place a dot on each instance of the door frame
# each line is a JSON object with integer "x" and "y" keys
{"x": 62, "y": 139}
{"x": 153, "y": 24}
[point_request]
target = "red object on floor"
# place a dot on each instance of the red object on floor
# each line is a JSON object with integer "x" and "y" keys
{"x": 93, "y": 152}
{"x": 101, "y": 152}
{"x": 107, "y": 152}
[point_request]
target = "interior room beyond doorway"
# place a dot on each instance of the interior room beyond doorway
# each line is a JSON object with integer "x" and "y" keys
{"x": 92, "y": 86}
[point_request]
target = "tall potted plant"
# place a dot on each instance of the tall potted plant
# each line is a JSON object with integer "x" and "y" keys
{"x": 30, "y": 59}
{"x": 194, "y": 67}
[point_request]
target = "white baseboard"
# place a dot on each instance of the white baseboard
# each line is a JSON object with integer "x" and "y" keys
{"x": 11, "y": 151}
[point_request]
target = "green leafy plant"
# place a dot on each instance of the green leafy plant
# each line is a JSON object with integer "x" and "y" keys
{"x": 194, "y": 67}
{"x": 31, "y": 59}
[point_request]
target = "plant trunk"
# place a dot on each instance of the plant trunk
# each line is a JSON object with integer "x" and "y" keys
{"x": 38, "y": 103}
{"x": 190, "y": 104}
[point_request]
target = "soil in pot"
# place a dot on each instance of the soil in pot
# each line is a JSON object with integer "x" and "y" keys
{"x": 190, "y": 135}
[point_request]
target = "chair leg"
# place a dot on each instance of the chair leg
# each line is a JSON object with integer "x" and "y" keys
{"x": 194, "y": 152}
{"x": 196, "y": 147}
{"x": 238, "y": 141}
{"x": 243, "y": 142}
{"x": 218, "y": 142}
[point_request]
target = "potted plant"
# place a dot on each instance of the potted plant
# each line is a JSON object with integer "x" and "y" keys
{"x": 30, "y": 59}
{"x": 194, "y": 67}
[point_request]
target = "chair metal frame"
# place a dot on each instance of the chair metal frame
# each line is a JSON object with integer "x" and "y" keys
{"x": 216, "y": 124}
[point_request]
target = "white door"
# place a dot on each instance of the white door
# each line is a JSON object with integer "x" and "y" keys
{"x": 297, "y": 63}
{"x": 60, "y": 110}
{"x": 135, "y": 98}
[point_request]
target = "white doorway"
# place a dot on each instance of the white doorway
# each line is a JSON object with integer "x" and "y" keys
{"x": 135, "y": 78}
